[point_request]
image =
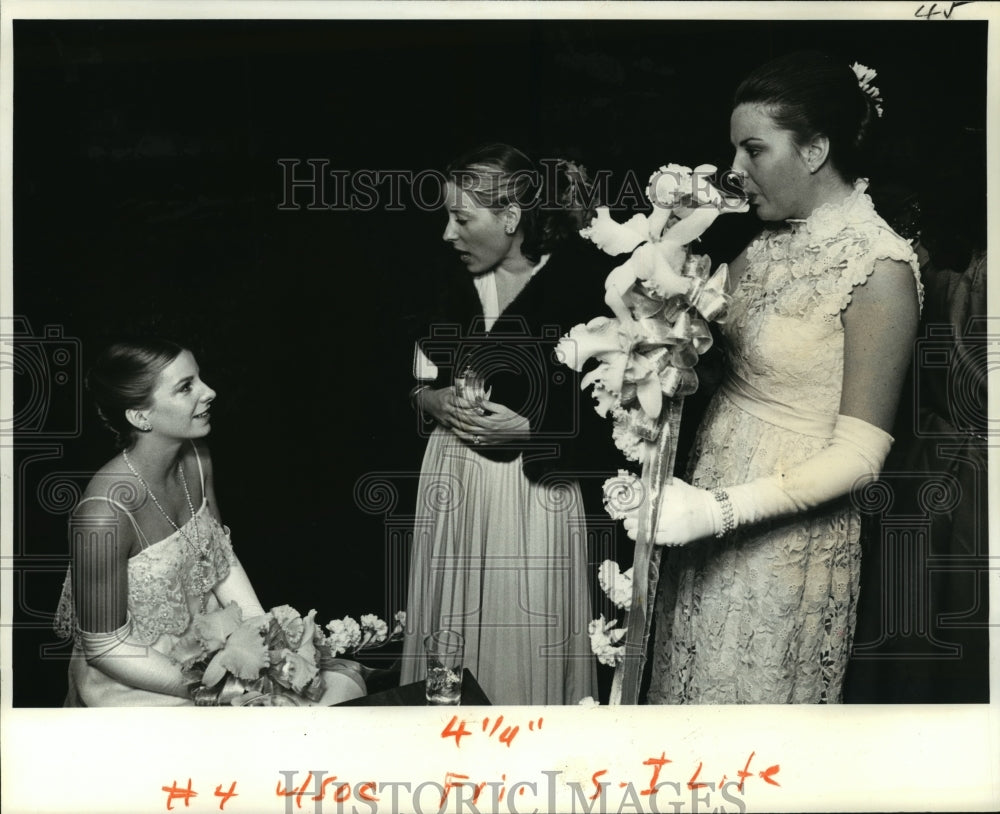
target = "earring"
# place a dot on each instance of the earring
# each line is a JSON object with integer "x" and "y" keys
{"x": 147, "y": 427}
{"x": 509, "y": 229}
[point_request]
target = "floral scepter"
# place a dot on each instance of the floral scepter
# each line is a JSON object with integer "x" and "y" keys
{"x": 661, "y": 297}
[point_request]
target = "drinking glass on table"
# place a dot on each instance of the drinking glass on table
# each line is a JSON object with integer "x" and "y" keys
{"x": 445, "y": 650}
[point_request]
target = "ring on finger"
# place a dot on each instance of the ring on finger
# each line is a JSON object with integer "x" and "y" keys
{"x": 477, "y": 439}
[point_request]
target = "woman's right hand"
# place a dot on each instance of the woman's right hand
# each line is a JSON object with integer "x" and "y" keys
{"x": 443, "y": 404}
{"x": 687, "y": 513}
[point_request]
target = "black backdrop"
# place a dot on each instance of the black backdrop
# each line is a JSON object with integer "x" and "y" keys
{"x": 146, "y": 199}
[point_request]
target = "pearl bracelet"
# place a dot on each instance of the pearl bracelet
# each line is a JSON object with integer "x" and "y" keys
{"x": 728, "y": 516}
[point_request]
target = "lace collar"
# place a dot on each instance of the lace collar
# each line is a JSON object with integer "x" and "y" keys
{"x": 828, "y": 219}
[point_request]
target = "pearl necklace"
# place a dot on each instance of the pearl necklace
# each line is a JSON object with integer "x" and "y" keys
{"x": 195, "y": 546}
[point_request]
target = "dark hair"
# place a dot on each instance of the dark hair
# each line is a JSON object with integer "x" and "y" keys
{"x": 811, "y": 93}
{"x": 123, "y": 377}
{"x": 555, "y": 203}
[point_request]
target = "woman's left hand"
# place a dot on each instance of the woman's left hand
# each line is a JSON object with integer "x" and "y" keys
{"x": 498, "y": 425}
{"x": 687, "y": 513}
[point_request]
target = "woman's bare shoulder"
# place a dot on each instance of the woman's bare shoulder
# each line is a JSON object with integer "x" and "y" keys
{"x": 110, "y": 483}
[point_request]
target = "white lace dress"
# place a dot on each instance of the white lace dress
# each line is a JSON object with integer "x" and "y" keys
{"x": 168, "y": 584}
{"x": 767, "y": 614}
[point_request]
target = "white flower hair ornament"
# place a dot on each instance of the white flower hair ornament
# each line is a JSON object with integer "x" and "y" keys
{"x": 865, "y": 76}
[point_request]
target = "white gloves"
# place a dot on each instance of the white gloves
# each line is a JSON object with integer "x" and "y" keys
{"x": 854, "y": 456}
{"x": 130, "y": 662}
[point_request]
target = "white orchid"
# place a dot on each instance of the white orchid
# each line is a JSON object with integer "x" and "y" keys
{"x": 626, "y": 365}
{"x": 615, "y": 238}
{"x": 667, "y": 189}
{"x": 668, "y": 185}
{"x": 606, "y": 400}
{"x": 244, "y": 654}
{"x": 599, "y": 336}
{"x": 236, "y": 660}
{"x": 676, "y": 192}
{"x": 684, "y": 201}
{"x": 660, "y": 266}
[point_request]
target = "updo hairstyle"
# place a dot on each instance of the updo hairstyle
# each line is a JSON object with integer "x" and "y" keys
{"x": 810, "y": 93}
{"x": 556, "y": 202}
{"x": 124, "y": 377}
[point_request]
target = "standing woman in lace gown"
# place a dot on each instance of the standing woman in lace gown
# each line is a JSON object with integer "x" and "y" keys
{"x": 148, "y": 550}
{"x": 500, "y": 544}
{"x": 759, "y": 588}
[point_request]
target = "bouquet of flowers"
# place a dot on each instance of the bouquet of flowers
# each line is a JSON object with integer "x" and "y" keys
{"x": 280, "y": 658}
{"x": 662, "y": 297}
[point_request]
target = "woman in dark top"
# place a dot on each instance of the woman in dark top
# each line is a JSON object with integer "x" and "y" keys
{"x": 500, "y": 543}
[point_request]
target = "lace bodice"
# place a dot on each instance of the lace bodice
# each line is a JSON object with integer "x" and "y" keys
{"x": 168, "y": 581}
{"x": 784, "y": 328}
{"x": 766, "y": 614}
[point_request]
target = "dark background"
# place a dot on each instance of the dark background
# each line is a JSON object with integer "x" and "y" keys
{"x": 146, "y": 195}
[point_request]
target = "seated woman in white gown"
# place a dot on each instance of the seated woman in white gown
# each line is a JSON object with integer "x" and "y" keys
{"x": 148, "y": 550}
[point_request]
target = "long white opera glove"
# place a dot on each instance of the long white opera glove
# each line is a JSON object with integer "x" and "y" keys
{"x": 130, "y": 662}
{"x": 854, "y": 456}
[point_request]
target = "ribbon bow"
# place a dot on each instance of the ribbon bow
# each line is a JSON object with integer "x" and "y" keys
{"x": 709, "y": 296}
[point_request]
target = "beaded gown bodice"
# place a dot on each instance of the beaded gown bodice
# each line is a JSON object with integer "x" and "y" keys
{"x": 168, "y": 581}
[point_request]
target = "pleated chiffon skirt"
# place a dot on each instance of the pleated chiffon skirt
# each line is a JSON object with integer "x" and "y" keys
{"x": 503, "y": 561}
